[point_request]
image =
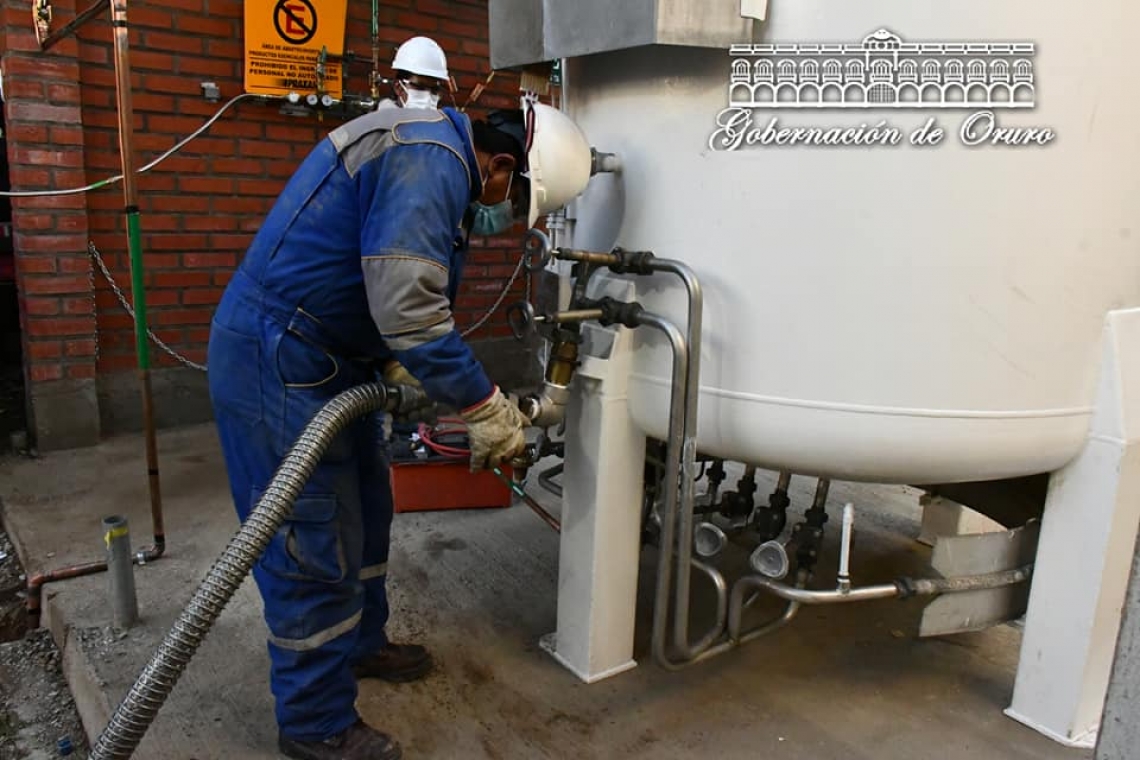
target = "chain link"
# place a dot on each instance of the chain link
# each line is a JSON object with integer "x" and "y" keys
{"x": 98, "y": 260}
{"x": 127, "y": 307}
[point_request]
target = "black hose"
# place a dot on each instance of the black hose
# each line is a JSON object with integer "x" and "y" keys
{"x": 139, "y": 708}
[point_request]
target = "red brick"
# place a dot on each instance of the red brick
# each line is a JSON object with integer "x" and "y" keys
{"x": 36, "y": 264}
{"x": 148, "y": 101}
{"x": 24, "y": 111}
{"x": 183, "y": 317}
{"x": 211, "y": 27}
{"x": 208, "y": 260}
{"x": 44, "y": 349}
{"x": 209, "y": 185}
{"x": 176, "y": 43}
{"x": 174, "y": 84}
{"x": 61, "y": 326}
{"x": 229, "y": 49}
{"x": 62, "y": 135}
{"x": 212, "y": 67}
{"x": 24, "y": 89}
{"x": 259, "y": 187}
{"x": 209, "y": 223}
{"x": 41, "y": 307}
{"x": 39, "y": 373}
{"x": 62, "y": 93}
{"x": 73, "y": 264}
{"x": 84, "y": 371}
{"x": 197, "y": 297}
{"x": 180, "y": 279}
{"x": 75, "y": 348}
{"x": 176, "y": 242}
{"x": 162, "y": 298}
{"x": 230, "y": 242}
{"x": 99, "y": 54}
{"x": 149, "y": 16}
{"x": 42, "y": 67}
{"x": 121, "y": 362}
{"x": 244, "y": 166}
{"x": 76, "y": 305}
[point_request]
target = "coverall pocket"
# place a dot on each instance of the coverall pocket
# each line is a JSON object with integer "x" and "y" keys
{"x": 301, "y": 364}
{"x": 234, "y": 376}
{"x": 308, "y": 545}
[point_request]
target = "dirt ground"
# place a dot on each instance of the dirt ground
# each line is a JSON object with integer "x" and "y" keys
{"x": 36, "y": 709}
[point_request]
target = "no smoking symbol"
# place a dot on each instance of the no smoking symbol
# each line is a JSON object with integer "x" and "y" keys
{"x": 295, "y": 21}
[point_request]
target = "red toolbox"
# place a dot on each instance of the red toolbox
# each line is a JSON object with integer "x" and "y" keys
{"x": 420, "y": 485}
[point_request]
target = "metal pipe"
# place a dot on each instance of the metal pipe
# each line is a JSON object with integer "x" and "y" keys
{"x": 547, "y": 518}
{"x": 902, "y": 588}
{"x": 688, "y": 452}
{"x": 134, "y": 240}
{"x": 375, "y": 79}
{"x": 120, "y": 572}
{"x": 138, "y": 709}
{"x": 82, "y": 18}
{"x": 544, "y": 479}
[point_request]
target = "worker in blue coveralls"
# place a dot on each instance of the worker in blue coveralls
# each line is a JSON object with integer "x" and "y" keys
{"x": 354, "y": 272}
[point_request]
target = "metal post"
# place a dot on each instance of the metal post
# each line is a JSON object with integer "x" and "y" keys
{"x": 120, "y": 571}
{"x": 134, "y": 241}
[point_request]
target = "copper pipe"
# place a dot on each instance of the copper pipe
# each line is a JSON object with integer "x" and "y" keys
{"x": 131, "y": 209}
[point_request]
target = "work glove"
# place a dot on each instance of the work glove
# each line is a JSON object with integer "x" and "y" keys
{"x": 494, "y": 431}
{"x": 395, "y": 373}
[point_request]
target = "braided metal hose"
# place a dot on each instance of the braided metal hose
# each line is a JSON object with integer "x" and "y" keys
{"x": 139, "y": 708}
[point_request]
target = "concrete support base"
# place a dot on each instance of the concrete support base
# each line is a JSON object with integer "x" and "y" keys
{"x": 64, "y": 414}
{"x": 943, "y": 517}
{"x": 601, "y": 515}
{"x": 1084, "y": 557}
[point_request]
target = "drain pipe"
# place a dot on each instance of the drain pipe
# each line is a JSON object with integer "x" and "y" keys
{"x": 139, "y": 708}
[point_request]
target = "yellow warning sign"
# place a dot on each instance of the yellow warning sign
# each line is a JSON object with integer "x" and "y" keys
{"x": 283, "y": 42}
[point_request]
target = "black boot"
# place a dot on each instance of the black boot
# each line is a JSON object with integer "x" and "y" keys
{"x": 397, "y": 663}
{"x": 359, "y": 742}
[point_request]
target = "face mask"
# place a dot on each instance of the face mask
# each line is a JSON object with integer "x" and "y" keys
{"x": 418, "y": 98}
{"x": 491, "y": 220}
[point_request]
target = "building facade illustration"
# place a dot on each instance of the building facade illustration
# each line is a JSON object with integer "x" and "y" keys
{"x": 882, "y": 71}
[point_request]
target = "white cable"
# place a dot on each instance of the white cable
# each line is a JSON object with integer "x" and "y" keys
{"x": 148, "y": 167}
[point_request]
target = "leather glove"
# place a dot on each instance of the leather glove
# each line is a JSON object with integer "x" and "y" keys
{"x": 396, "y": 374}
{"x": 495, "y": 431}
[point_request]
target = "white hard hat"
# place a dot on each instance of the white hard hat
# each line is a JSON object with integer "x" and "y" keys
{"x": 559, "y": 161}
{"x": 423, "y": 56}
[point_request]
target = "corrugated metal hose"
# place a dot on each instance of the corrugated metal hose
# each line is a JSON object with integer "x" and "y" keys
{"x": 139, "y": 708}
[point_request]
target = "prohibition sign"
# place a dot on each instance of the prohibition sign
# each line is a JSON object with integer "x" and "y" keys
{"x": 295, "y": 20}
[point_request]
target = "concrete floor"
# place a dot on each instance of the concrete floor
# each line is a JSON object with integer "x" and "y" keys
{"x": 841, "y": 683}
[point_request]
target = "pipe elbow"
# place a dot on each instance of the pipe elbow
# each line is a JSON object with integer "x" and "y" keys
{"x": 547, "y": 408}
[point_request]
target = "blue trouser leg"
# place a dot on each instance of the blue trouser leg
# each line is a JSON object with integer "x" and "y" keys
{"x": 376, "y": 513}
{"x": 266, "y": 385}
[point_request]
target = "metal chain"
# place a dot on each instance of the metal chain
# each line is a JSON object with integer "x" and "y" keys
{"x": 98, "y": 259}
{"x": 502, "y": 296}
{"x": 127, "y": 307}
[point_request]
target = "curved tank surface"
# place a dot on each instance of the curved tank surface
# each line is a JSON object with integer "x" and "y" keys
{"x": 909, "y": 314}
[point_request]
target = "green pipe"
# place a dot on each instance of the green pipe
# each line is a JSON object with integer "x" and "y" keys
{"x": 138, "y": 288}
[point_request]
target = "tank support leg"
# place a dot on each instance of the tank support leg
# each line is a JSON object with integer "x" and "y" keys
{"x": 602, "y": 496}
{"x": 1084, "y": 557}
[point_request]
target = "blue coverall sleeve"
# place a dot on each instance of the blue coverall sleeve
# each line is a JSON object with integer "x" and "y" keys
{"x": 412, "y": 198}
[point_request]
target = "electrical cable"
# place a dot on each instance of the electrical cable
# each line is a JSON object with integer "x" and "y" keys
{"x": 119, "y": 177}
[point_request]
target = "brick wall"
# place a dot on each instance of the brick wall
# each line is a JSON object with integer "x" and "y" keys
{"x": 201, "y": 206}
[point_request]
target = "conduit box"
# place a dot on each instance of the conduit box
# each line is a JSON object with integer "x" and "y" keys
{"x": 525, "y": 32}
